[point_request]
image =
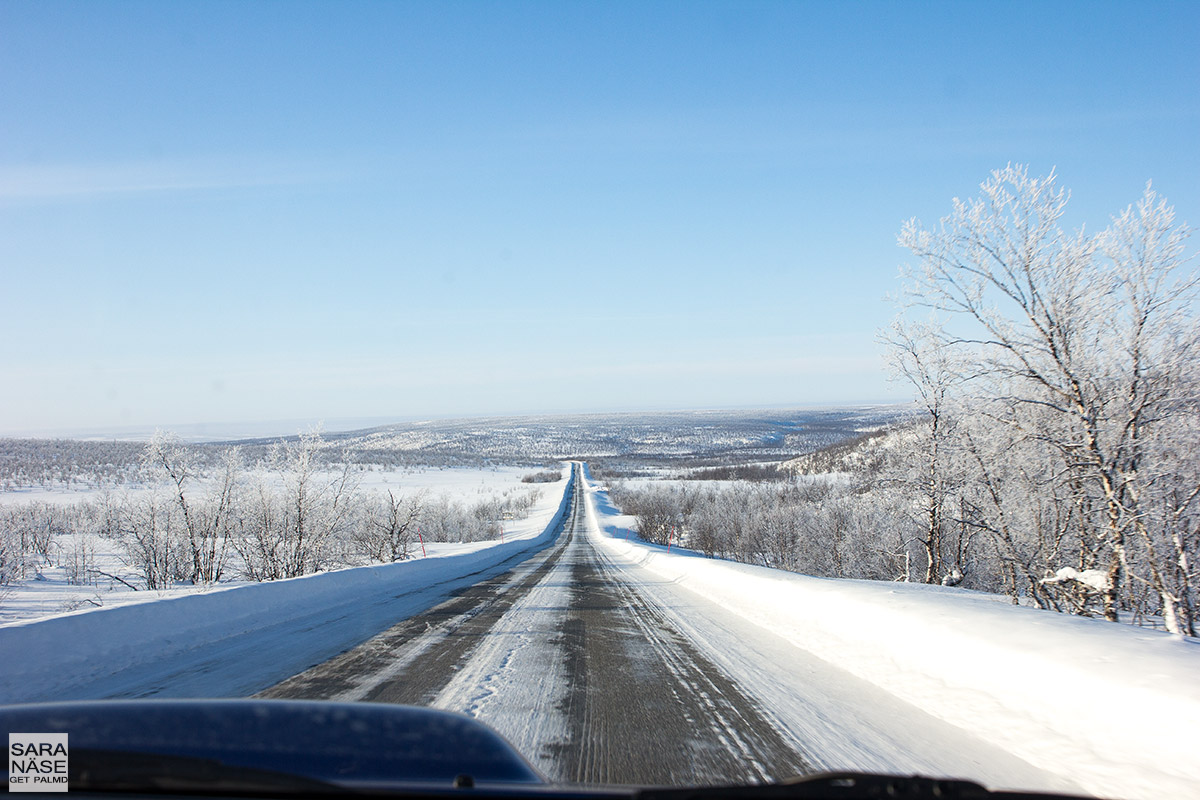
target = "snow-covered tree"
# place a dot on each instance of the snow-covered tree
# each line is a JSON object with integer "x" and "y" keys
{"x": 206, "y": 519}
{"x": 295, "y": 511}
{"x": 918, "y": 356}
{"x": 391, "y": 525}
{"x": 1083, "y": 345}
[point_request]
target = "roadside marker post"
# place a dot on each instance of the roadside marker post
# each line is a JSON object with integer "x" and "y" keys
{"x": 422, "y": 538}
{"x": 670, "y": 538}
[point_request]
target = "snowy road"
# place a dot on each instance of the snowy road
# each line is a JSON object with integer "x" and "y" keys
{"x": 600, "y": 674}
{"x": 580, "y": 673}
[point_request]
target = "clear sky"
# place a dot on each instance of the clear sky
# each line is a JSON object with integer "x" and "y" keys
{"x": 236, "y": 211}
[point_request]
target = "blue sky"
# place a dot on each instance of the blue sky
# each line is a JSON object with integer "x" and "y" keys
{"x": 220, "y": 211}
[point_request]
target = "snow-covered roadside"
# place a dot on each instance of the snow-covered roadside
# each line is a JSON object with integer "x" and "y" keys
{"x": 1109, "y": 707}
{"x": 284, "y": 625}
{"x": 87, "y": 570}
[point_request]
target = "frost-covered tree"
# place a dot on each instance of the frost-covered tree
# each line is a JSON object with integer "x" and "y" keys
{"x": 390, "y": 527}
{"x": 150, "y": 534}
{"x": 295, "y": 511}
{"x": 918, "y": 357}
{"x": 1083, "y": 346}
{"x": 207, "y": 518}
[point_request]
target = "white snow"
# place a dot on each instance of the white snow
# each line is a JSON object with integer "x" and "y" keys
{"x": 460, "y": 483}
{"x": 49, "y": 591}
{"x": 181, "y": 646}
{"x": 1110, "y": 708}
{"x": 1097, "y": 579}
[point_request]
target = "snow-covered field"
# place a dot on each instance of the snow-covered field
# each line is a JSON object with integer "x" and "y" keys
{"x": 48, "y": 590}
{"x": 459, "y": 483}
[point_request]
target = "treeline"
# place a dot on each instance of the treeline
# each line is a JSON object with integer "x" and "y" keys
{"x": 738, "y": 472}
{"x": 67, "y": 462}
{"x": 823, "y": 527}
{"x": 284, "y": 515}
{"x": 1056, "y": 452}
{"x": 545, "y": 476}
{"x": 76, "y": 463}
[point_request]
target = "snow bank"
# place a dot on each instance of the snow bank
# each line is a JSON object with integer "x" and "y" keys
{"x": 42, "y": 658}
{"x": 1112, "y": 707}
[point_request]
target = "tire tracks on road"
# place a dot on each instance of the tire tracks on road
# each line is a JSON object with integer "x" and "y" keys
{"x": 645, "y": 706}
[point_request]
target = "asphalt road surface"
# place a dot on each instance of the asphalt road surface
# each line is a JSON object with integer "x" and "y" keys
{"x": 593, "y": 682}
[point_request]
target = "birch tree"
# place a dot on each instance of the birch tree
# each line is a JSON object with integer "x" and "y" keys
{"x": 919, "y": 356}
{"x": 206, "y": 518}
{"x": 295, "y": 511}
{"x": 1081, "y": 343}
{"x": 388, "y": 531}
